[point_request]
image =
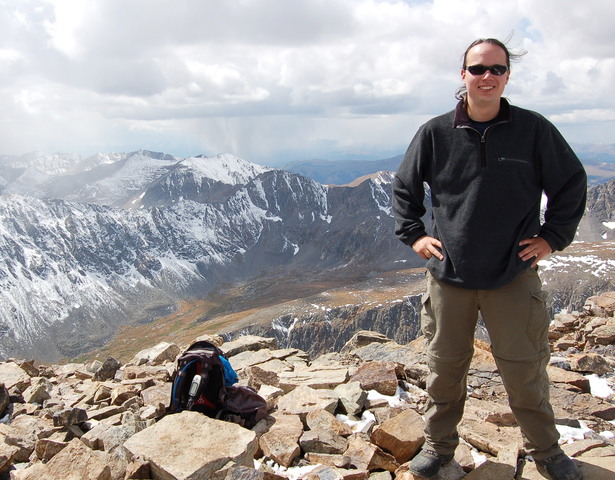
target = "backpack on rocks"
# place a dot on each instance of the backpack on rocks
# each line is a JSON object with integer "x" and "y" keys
{"x": 204, "y": 380}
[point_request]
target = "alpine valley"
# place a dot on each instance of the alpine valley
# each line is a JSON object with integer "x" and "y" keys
{"x": 110, "y": 252}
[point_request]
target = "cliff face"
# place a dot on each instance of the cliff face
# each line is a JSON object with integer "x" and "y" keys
{"x": 328, "y": 331}
{"x": 601, "y": 201}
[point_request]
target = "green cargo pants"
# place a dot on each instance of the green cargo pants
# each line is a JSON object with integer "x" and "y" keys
{"x": 517, "y": 322}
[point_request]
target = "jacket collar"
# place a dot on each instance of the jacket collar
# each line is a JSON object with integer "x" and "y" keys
{"x": 463, "y": 120}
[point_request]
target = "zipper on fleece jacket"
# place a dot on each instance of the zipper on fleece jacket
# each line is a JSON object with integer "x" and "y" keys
{"x": 483, "y": 141}
{"x": 482, "y": 153}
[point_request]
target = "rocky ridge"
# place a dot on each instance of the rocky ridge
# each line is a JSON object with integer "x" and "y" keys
{"x": 354, "y": 414}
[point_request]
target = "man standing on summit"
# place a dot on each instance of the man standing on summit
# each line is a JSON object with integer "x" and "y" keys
{"x": 487, "y": 164}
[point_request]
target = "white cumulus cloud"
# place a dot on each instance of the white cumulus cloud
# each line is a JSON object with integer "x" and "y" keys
{"x": 274, "y": 80}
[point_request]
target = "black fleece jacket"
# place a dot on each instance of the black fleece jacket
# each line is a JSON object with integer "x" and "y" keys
{"x": 486, "y": 193}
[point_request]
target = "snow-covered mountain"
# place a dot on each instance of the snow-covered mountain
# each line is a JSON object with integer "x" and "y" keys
{"x": 74, "y": 266}
{"x": 117, "y": 179}
{"x": 123, "y": 238}
{"x": 58, "y": 164}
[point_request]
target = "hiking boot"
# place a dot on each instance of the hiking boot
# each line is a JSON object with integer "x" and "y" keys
{"x": 559, "y": 467}
{"x": 427, "y": 463}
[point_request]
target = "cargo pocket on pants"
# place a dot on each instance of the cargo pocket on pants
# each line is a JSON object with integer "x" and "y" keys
{"x": 538, "y": 324}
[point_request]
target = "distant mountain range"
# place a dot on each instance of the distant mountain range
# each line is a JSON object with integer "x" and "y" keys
{"x": 341, "y": 172}
{"x": 599, "y": 161}
{"x": 88, "y": 245}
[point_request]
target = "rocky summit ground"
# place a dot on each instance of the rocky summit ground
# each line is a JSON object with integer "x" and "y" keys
{"x": 352, "y": 415}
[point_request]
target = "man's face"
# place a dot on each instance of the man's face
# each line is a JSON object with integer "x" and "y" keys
{"x": 485, "y": 89}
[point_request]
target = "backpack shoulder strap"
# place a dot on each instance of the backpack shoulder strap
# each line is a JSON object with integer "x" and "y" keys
{"x": 178, "y": 384}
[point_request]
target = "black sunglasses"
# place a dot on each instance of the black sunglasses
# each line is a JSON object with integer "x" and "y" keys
{"x": 493, "y": 69}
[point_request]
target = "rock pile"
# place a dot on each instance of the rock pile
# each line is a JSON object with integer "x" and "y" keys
{"x": 592, "y": 330}
{"x": 354, "y": 414}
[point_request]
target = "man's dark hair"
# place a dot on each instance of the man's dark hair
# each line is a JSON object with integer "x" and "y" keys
{"x": 491, "y": 41}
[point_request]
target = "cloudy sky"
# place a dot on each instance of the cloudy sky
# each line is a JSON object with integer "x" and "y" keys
{"x": 274, "y": 81}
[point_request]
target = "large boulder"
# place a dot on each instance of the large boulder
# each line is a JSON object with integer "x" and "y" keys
{"x": 170, "y": 446}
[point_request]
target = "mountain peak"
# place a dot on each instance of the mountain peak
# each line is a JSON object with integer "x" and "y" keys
{"x": 381, "y": 177}
{"x": 154, "y": 155}
{"x": 225, "y": 168}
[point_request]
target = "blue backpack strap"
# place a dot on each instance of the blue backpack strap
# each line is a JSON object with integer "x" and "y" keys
{"x": 230, "y": 377}
{"x": 178, "y": 385}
